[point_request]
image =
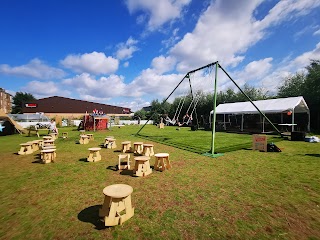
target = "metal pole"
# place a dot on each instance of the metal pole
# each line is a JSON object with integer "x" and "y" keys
{"x": 214, "y": 109}
{"x": 274, "y": 127}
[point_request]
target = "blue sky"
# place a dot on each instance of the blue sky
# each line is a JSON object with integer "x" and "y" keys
{"x": 129, "y": 52}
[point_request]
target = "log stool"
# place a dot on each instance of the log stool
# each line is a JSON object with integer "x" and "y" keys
{"x": 110, "y": 143}
{"x": 126, "y": 146}
{"x": 94, "y": 155}
{"x": 48, "y": 148}
{"x": 84, "y": 139}
{"x": 48, "y": 155}
{"x": 90, "y": 136}
{"x": 48, "y": 143}
{"x": 116, "y": 208}
{"x": 25, "y": 148}
{"x": 65, "y": 135}
{"x": 138, "y": 147}
{"x": 142, "y": 166}
{"x": 148, "y": 149}
{"x": 124, "y": 161}
{"x": 54, "y": 136}
{"x": 35, "y": 145}
{"x": 162, "y": 161}
{"x": 46, "y": 138}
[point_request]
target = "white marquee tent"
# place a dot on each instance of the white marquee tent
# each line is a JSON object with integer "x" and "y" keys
{"x": 279, "y": 105}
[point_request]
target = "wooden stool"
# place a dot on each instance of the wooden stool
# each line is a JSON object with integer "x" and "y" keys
{"x": 35, "y": 145}
{"x": 148, "y": 149}
{"x": 138, "y": 147}
{"x": 84, "y": 139}
{"x": 48, "y": 155}
{"x": 48, "y": 143}
{"x": 116, "y": 208}
{"x": 40, "y": 143}
{"x": 47, "y": 138}
{"x": 54, "y": 136}
{"x": 124, "y": 158}
{"x": 65, "y": 135}
{"x": 162, "y": 161}
{"x": 94, "y": 155}
{"x": 25, "y": 148}
{"x": 110, "y": 143}
{"x": 142, "y": 166}
{"x": 126, "y": 146}
{"x": 90, "y": 136}
{"x": 47, "y": 148}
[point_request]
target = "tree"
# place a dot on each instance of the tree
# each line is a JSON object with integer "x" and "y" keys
{"x": 140, "y": 114}
{"x": 293, "y": 86}
{"x": 19, "y": 100}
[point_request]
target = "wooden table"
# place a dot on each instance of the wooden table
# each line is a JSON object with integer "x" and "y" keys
{"x": 142, "y": 166}
{"x": 148, "y": 149}
{"x": 48, "y": 142}
{"x": 94, "y": 155}
{"x": 37, "y": 131}
{"x": 162, "y": 161}
{"x": 117, "y": 207}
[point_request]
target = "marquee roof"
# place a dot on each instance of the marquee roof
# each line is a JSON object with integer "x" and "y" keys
{"x": 296, "y": 104}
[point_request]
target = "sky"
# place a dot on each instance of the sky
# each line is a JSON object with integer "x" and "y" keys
{"x": 129, "y": 52}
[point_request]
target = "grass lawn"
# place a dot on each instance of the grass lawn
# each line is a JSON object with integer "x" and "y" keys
{"x": 244, "y": 194}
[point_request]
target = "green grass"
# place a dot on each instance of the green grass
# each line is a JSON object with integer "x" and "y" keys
{"x": 244, "y": 194}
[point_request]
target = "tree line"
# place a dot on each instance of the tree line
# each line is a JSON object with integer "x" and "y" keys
{"x": 305, "y": 83}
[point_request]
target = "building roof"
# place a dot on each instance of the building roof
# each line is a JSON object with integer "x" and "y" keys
{"x": 278, "y": 105}
{"x": 58, "y": 104}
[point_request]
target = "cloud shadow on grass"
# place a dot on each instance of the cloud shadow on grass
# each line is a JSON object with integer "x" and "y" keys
{"x": 91, "y": 215}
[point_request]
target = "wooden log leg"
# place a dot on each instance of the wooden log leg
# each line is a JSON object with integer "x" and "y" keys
{"x": 29, "y": 150}
{"x": 104, "y": 211}
{"x": 162, "y": 165}
{"x": 168, "y": 164}
{"x": 129, "y": 210}
{"x": 98, "y": 156}
{"x": 112, "y": 219}
{"x": 22, "y": 151}
{"x": 147, "y": 169}
{"x": 151, "y": 151}
{"x": 156, "y": 163}
{"x": 90, "y": 158}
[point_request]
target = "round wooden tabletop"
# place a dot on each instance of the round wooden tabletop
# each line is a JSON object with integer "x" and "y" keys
{"x": 110, "y": 139}
{"x": 118, "y": 190}
{"x": 147, "y": 145}
{"x": 84, "y": 136}
{"x": 142, "y": 158}
{"x": 48, "y": 147}
{"x": 161, "y": 155}
{"x": 47, "y": 137}
{"x": 137, "y": 143}
{"x": 126, "y": 142}
{"x": 48, "y": 141}
{"x": 94, "y": 149}
{"x": 48, "y": 150}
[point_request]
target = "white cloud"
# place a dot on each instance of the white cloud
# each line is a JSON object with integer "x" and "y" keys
{"x": 228, "y": 28}
{"x": 102, "y": 88}
{"x": 34, "y": 69}
{"x": 125, "y": 50}
{"x": 163, "y": 64}
{"x": 289, "y": 67}
{"x": 317, "y": 32}
{"x": 151, "y": 83}
{"x": 44, "y": 89}
{"x": 94, "y": 63}
{"x": 157, "y": 12}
